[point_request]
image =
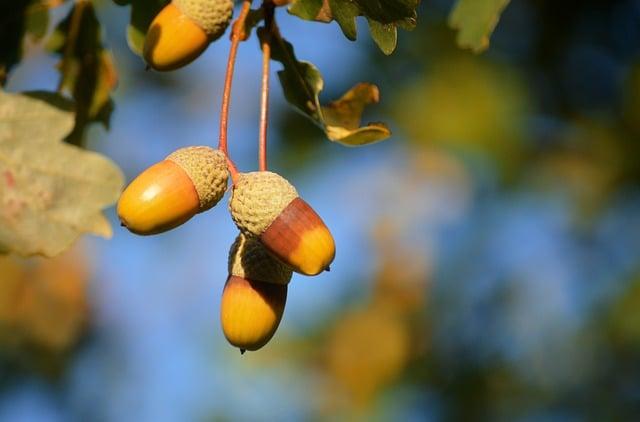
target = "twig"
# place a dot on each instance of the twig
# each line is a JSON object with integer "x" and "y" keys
{"x": 237, "y": 35}
{"x": 264, "y": 97}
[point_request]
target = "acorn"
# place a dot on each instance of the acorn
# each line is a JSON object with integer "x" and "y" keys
{"x": 189, "y": 181}
{"x": 183, "y": 30}
{"x": 266, "y": 206}
{"x": 254, "y": 295}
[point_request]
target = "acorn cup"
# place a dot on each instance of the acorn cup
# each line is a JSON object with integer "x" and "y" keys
{"x": 266, "y": 206}
{"x": 249, "y": 259}
{"x": 183, "y": 30}
{"x": 189, "y": 181}
{"x": 254, "y": 295}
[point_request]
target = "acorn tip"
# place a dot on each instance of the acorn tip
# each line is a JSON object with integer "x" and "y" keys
{"x": 242, "y": 351}
{"x": 328, "y": 269}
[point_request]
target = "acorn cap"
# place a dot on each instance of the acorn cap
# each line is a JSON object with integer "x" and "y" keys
{"x": 257, "y": 200}
{"x": 213, "y": 16}
{"x": 207, "y": 169}
{"x": 249, "y": 259}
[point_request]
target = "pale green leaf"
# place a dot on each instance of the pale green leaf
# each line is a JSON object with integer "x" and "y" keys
{"x": 475, "y": 21}
{"x": 51, "y": 192}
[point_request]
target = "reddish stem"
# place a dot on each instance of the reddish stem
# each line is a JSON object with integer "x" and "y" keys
{"x": 264, "y": 97}
{"x": 237, "y": 35}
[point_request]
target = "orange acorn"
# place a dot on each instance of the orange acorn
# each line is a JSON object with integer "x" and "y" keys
{"x": 183, "y": 30}
{"x": 265, "y": 205}
{"x": 189, "y": 181}
{"x": 250, "y": 311}
{"x": 254, "y": 295}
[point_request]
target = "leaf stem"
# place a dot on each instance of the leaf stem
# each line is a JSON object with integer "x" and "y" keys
{"x": 237, "y": 35}
{"x": 72, "y": 40}
{"x": 291, "y": 60}
{"x": 268, "y": 8}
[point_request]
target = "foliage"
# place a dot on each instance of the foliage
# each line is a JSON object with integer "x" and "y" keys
{"x": 51, "y": 192}
{"x": 475, "y": 21}
{"x": 86, "y": 68}
{"x": 20, "y": 20}
{"x": 384, "y": 17}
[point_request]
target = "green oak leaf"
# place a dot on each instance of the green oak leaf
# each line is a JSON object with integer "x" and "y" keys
{"x": 87, "y": 68}
{"x": 383, "y": 16}
{"x": 51, "y": 192}
{"x": 312, "y": 10}
{"x": 17, "y": 18}
{"x": 389, "y": 11}
{"x": 302, "y": 83}
{"x": 384, "y": 35}
{"x": 345, "y": 14}
{"x": 254, "y": 17}
{"x": 142, "y": 13}
{"x": 475, "y": 20}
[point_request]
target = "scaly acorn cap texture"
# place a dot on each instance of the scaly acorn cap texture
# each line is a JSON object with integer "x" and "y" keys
{"x": 250, "y": 311}
{"x": 169, "y": 193}
{"x": 249, "y": 259}
{"x": 207, "y": 169}
{"x": 213, "y": 16}
{"x": 257, "y": 199}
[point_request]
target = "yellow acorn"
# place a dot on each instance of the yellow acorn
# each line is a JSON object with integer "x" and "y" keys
{"x": 266, "y": 206}
{"x": 189, "y": 181}
{"x": 183, "y": 30}
{"x": 250, "y": 311}
{"x": 254, "y": 296}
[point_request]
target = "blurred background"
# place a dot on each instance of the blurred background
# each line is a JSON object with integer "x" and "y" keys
{"x": 488, "y": 254}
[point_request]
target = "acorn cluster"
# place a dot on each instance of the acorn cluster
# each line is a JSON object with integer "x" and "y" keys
{"x": 279, "y": 233}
